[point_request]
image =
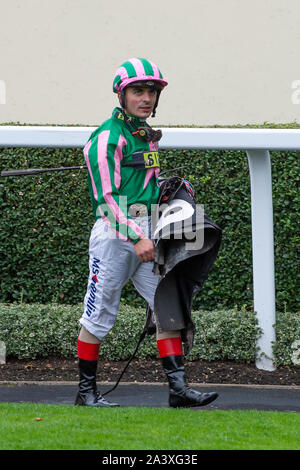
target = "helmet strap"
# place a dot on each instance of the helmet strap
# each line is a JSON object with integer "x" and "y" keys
{"x": 156, "y": 103}
{"x": 123, "y": 99}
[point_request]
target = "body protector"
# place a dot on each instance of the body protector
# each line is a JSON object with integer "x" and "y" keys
{"x": 186, "y": 246}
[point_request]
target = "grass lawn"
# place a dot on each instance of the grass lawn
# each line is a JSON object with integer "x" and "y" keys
{"x": 66, "y": 427}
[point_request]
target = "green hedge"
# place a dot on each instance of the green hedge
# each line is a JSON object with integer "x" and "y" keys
{"x": 46, "y": 220}
{"x": 31, "y": 331}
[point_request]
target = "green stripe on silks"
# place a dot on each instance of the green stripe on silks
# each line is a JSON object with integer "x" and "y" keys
{"x": 147, "y": 67}
{"x": 116, "y": 80}
{"x": 130, "y": 69}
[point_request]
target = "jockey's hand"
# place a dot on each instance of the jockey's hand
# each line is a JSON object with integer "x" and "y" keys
{"x": 144, "y": 250}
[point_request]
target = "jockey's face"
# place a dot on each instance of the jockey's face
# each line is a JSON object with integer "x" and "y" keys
{"x": 140, "y": 101}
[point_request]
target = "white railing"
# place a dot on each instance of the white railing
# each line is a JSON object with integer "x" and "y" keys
{"x": 257, "y": 143}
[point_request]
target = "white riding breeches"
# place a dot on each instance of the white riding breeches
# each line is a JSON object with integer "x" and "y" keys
{"x": 112, "y": 263}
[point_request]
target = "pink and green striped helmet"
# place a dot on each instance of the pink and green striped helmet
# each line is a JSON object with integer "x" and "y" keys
{"x": 137, "y": 70}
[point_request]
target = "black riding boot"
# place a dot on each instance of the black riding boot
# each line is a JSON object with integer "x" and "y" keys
{"x": 88, "y": 394}
{"x": 181, "y": 395}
